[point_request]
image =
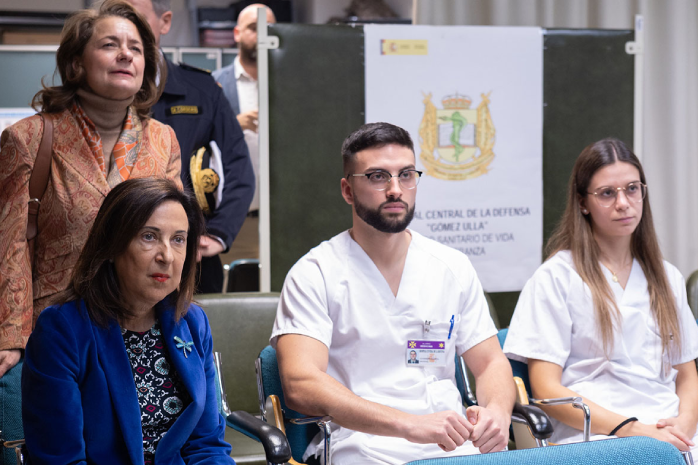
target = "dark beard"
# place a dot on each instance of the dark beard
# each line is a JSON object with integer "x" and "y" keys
{"x": 248, "y": 54}
{"x": 376, "y": 219}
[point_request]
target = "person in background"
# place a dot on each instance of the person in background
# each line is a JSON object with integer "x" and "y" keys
{"x": 605, "y": 318}
{"x": 239, "y": 83}
{"x": 120, "y": 369}
{"x": 102, "y": 135}
{"x": 194, "y": 105}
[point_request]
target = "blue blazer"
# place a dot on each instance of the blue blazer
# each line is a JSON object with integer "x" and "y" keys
{"x": 80, "y": 404}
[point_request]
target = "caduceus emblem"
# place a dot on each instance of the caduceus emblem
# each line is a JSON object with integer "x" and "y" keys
{"x": 457, "y": 141}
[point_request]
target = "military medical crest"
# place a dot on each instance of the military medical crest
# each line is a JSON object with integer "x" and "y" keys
{"x": 456, "y": 141}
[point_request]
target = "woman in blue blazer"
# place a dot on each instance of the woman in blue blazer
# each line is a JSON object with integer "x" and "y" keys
{"x": 121, "y": 370}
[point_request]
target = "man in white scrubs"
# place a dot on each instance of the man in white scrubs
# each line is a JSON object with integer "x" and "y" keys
{"x": 354, "y": 308}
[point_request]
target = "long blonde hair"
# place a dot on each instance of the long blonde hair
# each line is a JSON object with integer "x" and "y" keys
{"x": 574, "y": 233}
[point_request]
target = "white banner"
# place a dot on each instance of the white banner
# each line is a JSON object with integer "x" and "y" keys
{"x": 472, "y": 99}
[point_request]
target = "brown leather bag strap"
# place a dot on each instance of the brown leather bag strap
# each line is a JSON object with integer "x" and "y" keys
{"x": 39, "y": 177}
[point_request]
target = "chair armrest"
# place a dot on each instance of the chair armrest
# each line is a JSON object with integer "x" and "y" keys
{"x": 576, "y": 402}
{"x": 275, "y": 444}
{"x": 323, "y": 422}
{"x": 536, "y": 419}
{"x": 307, "y": 420}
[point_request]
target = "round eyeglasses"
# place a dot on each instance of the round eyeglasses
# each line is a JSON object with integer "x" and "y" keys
{"x": 380, "y": 180}
{"x": 607, "y": 195}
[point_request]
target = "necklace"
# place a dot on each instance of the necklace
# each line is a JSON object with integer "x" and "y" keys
{"x": 615, "y": 277}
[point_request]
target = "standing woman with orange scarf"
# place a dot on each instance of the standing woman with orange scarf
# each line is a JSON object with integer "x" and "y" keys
{"x": 102, "y": 135}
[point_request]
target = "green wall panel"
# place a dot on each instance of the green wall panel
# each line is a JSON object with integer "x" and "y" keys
{"x": 588, "y": 84}
{"x": 316, "y": 96}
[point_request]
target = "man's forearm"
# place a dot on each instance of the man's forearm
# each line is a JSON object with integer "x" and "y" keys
{"x": 311, "y": 391}
{"x": 495, "y": 386}
{"x": 319, "y": 394}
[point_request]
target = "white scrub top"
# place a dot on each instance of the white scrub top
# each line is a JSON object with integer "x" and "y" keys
{"x": 337, "y": 295}
{"x": 554, "y": 321}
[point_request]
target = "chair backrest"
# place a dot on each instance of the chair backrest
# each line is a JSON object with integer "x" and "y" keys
{"x": 493, "y": 311}
{"x": 242, "y": 275}
{"x": 519, "y": 369}
{"x": 636, "y": 450}
{"x": 11, "y": 411}
{"x": 692, "y": 291}
{"x": 299, "y": 436}
{"x": 240, "y": 326}
{"x": 463, "y": 382}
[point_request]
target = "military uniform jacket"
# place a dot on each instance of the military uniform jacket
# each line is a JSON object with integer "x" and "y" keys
{"x": 194, "y": 105}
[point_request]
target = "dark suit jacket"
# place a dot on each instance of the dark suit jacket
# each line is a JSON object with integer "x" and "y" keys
{"x": 80, "y": 404}
{"x": 192, "y": 87}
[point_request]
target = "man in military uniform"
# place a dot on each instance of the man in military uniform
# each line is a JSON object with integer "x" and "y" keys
{"x": 194, "y": 105}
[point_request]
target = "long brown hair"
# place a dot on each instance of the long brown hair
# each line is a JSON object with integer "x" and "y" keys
{"x": 574, "y": 233}
{"x": 123, "y": 214}
{"x": 77, "y": 31}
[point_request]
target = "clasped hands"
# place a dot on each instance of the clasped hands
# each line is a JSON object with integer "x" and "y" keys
{"x": 676, "y": 431}
{"x": 488, "y": 429}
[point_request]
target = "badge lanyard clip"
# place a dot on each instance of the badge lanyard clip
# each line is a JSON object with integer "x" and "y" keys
{"x": 425, "y": 330}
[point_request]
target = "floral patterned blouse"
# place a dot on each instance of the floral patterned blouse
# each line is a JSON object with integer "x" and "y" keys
{"x": 161, "y": 394}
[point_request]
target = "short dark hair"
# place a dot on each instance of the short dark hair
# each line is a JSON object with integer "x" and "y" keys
{"x": 123, "y": 214}
{"x": 77, "y": 31}
{"x": 373, "y": 135}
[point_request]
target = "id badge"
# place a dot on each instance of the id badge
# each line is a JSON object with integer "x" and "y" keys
{"x": 422, "y": 354}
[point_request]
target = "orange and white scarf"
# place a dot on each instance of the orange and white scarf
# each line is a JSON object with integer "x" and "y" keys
{"x": 125, "y": 150}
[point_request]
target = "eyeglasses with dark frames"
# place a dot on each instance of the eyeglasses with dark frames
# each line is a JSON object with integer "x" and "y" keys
{"x": 380, "y": 179}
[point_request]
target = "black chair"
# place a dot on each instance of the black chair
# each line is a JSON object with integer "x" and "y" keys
{"x": 241, "y": 276}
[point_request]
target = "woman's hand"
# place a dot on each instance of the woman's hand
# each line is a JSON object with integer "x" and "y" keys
{"x": 682, "y": 423}
{"x": 8, "y": 359}
{"x": 671, "y": 434}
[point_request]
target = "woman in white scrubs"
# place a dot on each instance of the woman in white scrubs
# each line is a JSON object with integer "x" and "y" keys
{"x": 605, "y": 317}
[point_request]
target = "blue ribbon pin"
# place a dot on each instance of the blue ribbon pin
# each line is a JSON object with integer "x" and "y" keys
{"x": 185, "y": 346}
